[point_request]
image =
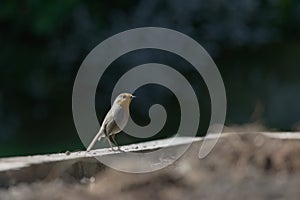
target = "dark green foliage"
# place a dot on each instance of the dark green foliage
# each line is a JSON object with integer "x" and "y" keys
{"x": 254, "y": 43}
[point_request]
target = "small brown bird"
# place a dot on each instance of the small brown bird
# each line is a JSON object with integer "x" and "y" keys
{"x": 115, "y": 120}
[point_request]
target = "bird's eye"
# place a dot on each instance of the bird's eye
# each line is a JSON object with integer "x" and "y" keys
{"x": 124, "y": 96}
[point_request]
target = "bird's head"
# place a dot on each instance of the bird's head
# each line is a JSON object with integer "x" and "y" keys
{"x": 124, "y": 99}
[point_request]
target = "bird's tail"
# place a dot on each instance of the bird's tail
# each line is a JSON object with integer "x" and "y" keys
{"x": 97, "y": 137}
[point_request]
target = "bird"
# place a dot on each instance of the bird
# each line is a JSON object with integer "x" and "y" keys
{"x": 114, "y": 121}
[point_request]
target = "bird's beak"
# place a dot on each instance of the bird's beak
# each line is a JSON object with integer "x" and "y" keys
{"x": 132, "y": 97}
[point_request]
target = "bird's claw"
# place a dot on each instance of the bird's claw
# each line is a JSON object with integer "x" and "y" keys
{"x": 118, "y": 149}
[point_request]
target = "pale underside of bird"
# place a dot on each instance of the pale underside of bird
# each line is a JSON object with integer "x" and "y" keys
{"x": 114, "y": 121}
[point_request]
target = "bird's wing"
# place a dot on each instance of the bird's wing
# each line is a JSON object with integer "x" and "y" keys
{"x": 115, "y": 120}
{"x": 120, "y": 117}
{"x": 112, "y": 128}
{"x": 101, "y": 131}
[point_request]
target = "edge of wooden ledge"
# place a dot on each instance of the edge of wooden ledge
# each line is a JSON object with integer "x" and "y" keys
{"x": 15, "y": 163}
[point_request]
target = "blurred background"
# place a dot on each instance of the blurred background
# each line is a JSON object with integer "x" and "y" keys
{"x": 255, "y": 44}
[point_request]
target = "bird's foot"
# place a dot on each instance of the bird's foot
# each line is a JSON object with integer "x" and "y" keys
{"x": 117, "y": 149}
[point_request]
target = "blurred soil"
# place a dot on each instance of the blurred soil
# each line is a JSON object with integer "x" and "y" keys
{"x": 243, "y": 166}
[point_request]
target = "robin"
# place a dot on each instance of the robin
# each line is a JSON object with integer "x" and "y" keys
{"x": 115, "y": 120}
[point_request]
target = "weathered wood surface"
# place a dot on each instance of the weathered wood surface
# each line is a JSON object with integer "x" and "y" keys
{"x": 48, "y": 167}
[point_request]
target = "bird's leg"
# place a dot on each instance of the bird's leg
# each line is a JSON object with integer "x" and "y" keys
{"x": 113, "y": 138}
{"x": 115, "y": 142}
{"x": 112, "y": 148}
{"x": 107, "y": 137}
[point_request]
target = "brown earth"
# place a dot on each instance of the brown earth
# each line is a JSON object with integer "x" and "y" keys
{"x": 244, "y": 166}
